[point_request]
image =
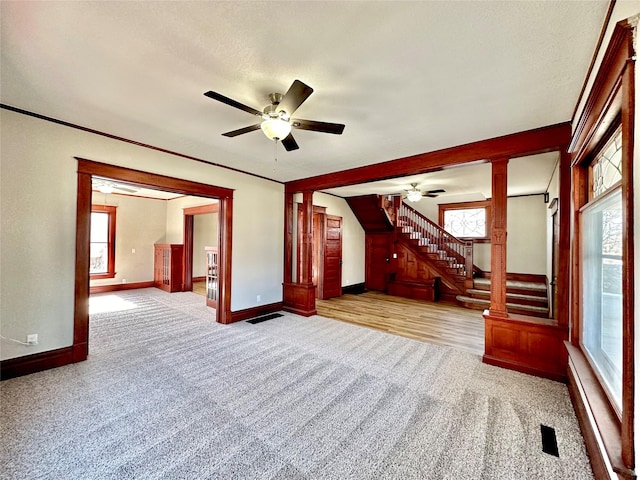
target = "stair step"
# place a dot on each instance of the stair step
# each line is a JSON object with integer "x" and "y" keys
{"x": 481, "y": 304}
{"x": 527, "y": 288}
{"x": 516, "y": 298}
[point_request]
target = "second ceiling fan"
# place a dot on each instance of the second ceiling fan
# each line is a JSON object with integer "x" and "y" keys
{"x": 277, "y": 120}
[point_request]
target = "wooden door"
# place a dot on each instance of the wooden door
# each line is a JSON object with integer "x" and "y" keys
{"x": 377, "y": 260}
{"x": 332, "y": 259}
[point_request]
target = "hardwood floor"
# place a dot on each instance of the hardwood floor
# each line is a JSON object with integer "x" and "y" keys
{"x": 437, "y": 323}
{"x": 200, "y": 287}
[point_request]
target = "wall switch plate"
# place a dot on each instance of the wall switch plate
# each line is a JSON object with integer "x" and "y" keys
{"x": 133, "y": 250}
{"x": 32, "y": 339}
{"x": 258, "y": 298}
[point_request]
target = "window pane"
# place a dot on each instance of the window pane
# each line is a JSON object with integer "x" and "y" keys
{"x": 468, "y": 222}
{"x": 606, "y": 169}
{"x": 602, "y": 289}
{"x": 99, "y": 227}
{"x": 98, "y": 258}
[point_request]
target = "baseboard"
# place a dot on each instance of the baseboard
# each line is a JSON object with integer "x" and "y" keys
{"x": 355, "y": 289}
{"x": 17, "y": 367}
{"x": 119, "y": 286}
{"x": 253, "y": 312}
{"x": 522, "y": 368}
{"x": 198, "y": 279}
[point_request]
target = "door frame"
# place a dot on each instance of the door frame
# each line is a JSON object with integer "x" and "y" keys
{"x": 86, "y": 170}
{"x": 189, "y": 213}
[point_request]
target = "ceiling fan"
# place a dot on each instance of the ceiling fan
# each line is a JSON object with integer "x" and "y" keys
{"x": 276, "y": 117}
{"x": 414, "y": 194}
{"x": 104, "y": 185}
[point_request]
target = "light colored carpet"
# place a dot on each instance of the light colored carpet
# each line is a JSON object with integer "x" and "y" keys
{"x": 168, "y": 393}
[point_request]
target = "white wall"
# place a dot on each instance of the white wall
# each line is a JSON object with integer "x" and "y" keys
{"x": 140, "y": 222}
{"x": 175, "y": 216}
{"x": 527, "y": 235}
{"x": 37, "y": 220}
{"x": 205, "y": 234}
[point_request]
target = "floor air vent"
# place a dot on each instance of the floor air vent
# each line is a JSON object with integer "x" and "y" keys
{"x": 549, "y": 441}
{"x": 264, "y": 318}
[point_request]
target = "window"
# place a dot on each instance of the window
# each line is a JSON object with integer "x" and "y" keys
{"x": 466, "y": 220}
{"x": 602, "y": 264}
{"x": 103, "y": 242}
{"x": 602, "y": 290}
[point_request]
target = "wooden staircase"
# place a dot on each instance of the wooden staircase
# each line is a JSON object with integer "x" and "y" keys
{"x": 445, "y": 262}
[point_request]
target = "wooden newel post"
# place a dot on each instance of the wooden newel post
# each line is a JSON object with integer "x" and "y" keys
{"x": 468, "y": 264}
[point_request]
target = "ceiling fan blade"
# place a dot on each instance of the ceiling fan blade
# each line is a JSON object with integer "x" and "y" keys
{"x": 439, "y": 190}
{"x": 232, "y": 103}
{"x": 289, "y": 143}
{"x": 298, "y": 92}
{"x": 125, "y": 189}
{"x": 240, "y": 131}
{"x": 325, "y": 127}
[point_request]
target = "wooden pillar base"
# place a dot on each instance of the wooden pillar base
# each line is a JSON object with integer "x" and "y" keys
{"x": 299, "y": 298}
{"x": 526, "y": 344}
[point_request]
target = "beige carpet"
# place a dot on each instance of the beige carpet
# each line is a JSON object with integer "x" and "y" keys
{"x": 168, "y": 394}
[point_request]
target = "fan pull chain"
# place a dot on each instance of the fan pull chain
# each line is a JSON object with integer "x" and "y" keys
{"x": 275, "y": 155}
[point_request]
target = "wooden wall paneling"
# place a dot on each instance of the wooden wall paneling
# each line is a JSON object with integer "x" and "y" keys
{"x": 539, "y": 140}
{"x": 525, "y": 344}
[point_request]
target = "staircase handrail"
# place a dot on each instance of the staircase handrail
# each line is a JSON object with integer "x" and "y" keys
{"x": 444, "y": 241}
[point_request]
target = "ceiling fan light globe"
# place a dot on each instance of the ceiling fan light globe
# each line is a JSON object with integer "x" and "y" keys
{"x": 105, "y": 189}
{"x": 414, "y": 195}
{"x": 275, "y": 128}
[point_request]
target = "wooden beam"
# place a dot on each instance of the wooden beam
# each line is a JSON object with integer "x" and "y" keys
{"x": 530, "y": 142}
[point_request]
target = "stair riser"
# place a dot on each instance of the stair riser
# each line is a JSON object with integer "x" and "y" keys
{"x": 520, "y": 301}
{"x": 519, "y": 291}
{"x": 475, "y": 306}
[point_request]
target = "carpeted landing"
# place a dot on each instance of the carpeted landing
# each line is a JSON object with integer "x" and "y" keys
{"x": 168, "y": 393}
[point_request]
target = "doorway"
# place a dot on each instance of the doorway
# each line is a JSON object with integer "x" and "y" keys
{"x": 327, "y": 252}
{"x": 86, "y": 170}
{"x": 201, "y": 253}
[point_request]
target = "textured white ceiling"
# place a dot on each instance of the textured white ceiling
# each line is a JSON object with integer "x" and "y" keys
{"x": 405, "y": 77}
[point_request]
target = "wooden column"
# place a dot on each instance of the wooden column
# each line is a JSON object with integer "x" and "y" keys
{"x": 498, "y": 296}
{"x": 306, "y": 239}
{"x": 300, "y": 297}
{"x": 288, "y": 237}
